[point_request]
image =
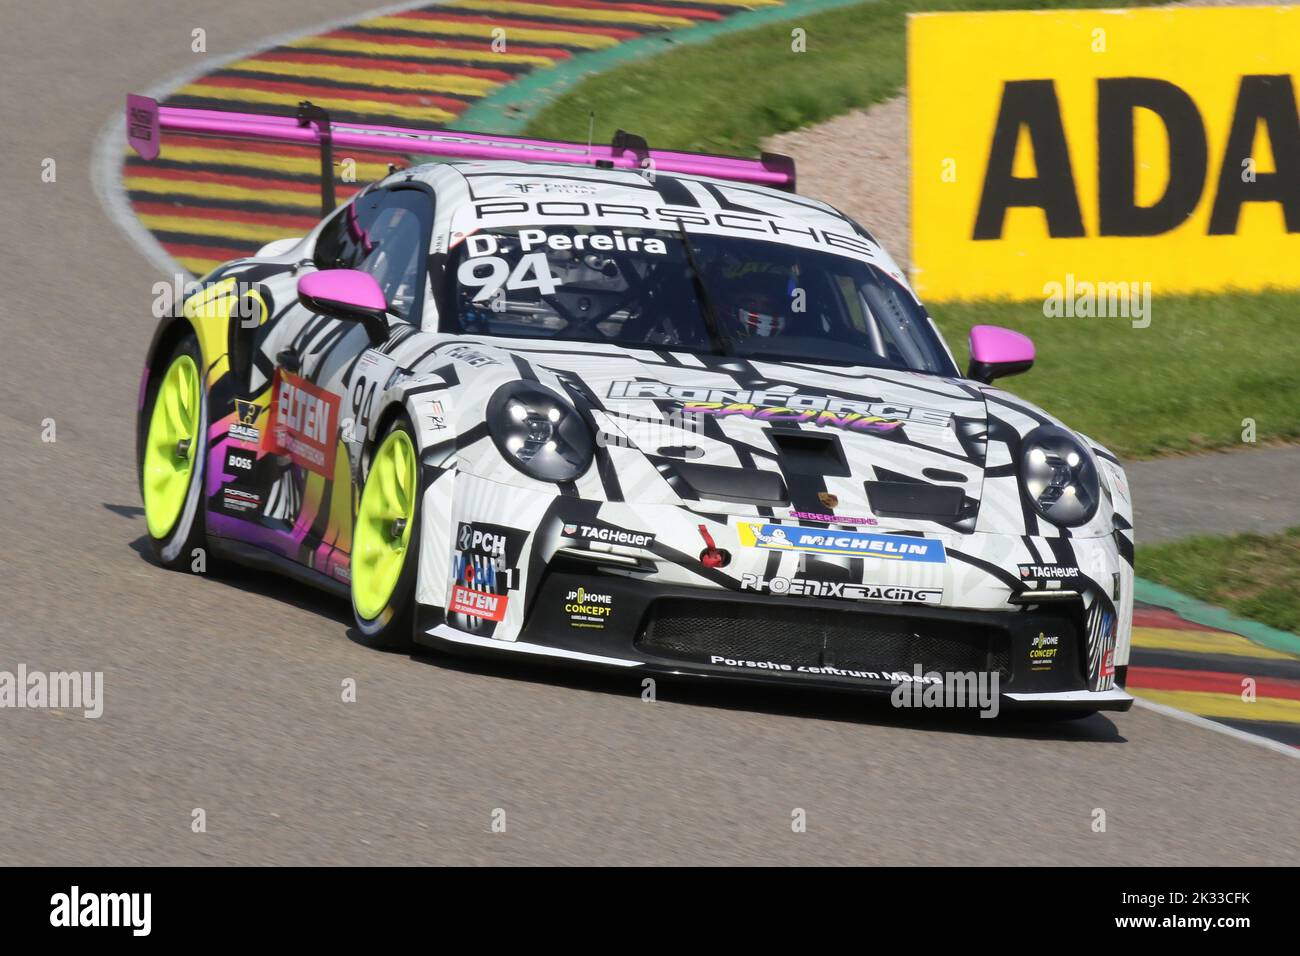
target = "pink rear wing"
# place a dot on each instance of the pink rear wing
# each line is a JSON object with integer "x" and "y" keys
{"x": 146, "y": 122}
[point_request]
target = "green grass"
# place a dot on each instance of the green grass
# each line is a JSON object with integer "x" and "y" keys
{"x": 727, "y": 94}
{"x": 1254, "y": 575}
{"x": 1183, "y": 384}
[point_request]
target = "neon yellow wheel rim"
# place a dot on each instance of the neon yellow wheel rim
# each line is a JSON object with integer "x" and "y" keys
{"x": 384, "y": 521}
{"x": 170, "y": 448}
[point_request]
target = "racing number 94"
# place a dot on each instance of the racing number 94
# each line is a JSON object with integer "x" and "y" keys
{"x": 363, "y": 401}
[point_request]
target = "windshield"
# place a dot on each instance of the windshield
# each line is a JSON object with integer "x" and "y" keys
{"x": 663, "y": 289}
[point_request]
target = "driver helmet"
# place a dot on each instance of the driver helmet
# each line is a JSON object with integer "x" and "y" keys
{"x": 760, "y": 303}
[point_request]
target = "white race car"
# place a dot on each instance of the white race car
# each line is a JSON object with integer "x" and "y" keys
{"x": 605, "y": 412}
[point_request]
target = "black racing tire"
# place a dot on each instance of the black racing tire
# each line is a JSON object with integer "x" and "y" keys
{"x": 176, "y": 547}
{"x": 391, "y": 628}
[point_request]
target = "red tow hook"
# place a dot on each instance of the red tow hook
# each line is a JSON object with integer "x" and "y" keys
{"x": 712, "y": 556}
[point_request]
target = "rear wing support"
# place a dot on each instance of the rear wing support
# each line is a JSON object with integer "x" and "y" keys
{"x": 147, "y": 121}
{"x": 308, "y": 116}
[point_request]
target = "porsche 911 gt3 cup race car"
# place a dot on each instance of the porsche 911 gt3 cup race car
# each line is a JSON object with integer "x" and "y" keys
{"x": 629, "y": 408}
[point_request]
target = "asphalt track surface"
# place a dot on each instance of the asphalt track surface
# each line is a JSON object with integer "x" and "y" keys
{"x": 1219, "y": 493}
{"x": 223, "y": 692}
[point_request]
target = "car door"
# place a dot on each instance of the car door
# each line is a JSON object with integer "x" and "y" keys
{"x": 317, "y": 378}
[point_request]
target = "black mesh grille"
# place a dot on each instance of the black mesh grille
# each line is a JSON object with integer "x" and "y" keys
{"x": 818, "y": 637}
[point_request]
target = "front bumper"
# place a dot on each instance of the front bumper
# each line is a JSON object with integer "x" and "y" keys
{"x": 655, "y": 609}
{"x": 678, "y": 631}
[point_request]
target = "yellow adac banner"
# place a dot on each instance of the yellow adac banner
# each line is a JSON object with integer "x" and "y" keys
{"x": 1155, "y": 146}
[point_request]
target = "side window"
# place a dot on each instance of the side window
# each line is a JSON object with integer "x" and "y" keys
{"x": 339, "y": 244}
{"x": 395, "y": 253}
{"x": 385, "y": 233}
{"x": 896, "y": 323}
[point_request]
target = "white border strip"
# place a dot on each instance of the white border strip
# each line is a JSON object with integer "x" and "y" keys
{"x": 1207, "y": 724}
{"x": 110, "y": 144}
{"x": 448, "y": 633}
{"x": 1075, "y": 696}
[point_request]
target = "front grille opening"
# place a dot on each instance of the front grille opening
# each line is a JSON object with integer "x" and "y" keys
{"x": 817, "y": 637}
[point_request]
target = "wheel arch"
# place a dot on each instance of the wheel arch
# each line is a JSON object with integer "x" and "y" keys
{"x": 205, "y": 314}
{"x": 387, "y": 415}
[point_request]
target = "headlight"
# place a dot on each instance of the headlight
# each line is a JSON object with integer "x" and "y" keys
{"x": 1058, "y": 476}
{"x": 539, "y": 432}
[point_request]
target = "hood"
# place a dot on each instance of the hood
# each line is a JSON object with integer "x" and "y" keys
{"x": 785, "y": 439}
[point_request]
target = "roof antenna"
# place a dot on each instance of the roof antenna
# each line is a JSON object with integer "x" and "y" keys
{"x": 591, "y": 129}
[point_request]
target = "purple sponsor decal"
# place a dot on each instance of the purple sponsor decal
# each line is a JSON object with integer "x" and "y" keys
{"x": 831, "y": 519}
{"x": 849, "y": 421}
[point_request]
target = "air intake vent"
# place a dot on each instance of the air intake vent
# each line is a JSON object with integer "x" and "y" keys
{"x": 815, "y": 636}
{"x": 742, "y": 485}
{"x": 808, "y": 453}
{"x": 914, "y": 499}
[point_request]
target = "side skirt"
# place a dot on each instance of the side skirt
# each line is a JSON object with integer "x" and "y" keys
{"x": 263, "y": 560}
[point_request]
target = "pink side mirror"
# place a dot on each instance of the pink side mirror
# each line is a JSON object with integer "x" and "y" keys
{"x": 347, "y": 294}
{"x": 996, "y": 352}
